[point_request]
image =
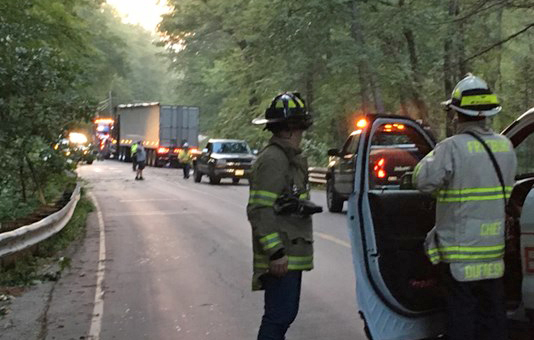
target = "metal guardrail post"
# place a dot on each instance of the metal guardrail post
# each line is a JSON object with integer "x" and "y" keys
{"x": 27, "y": 236}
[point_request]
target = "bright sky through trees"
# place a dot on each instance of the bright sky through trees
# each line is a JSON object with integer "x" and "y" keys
{"x": 146, "y": 13}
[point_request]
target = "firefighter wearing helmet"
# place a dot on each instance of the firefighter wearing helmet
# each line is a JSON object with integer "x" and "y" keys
{"x": 472, "y": 174}
{"x": 279, "y": 211}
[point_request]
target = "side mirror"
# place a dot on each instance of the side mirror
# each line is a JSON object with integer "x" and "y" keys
{"x": 205, "y": 150}
{"x": 333, "y": 152}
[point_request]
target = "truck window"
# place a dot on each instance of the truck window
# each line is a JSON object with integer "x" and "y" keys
{"x": 351, "y": 145}
{"x": 395, "y": 151}
{"x": 231, "y": 147}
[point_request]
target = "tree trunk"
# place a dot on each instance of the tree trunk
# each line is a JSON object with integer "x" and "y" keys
{"x": 463, "y": 66}
{"x": 310, "y": 96}
{"x": 366, "y": 74}
{"x": 38, "y": 187}
{"x": 357, "y": 35}
{"x": 22, "y": 180}
{"x": 495, "y": 82}
{"x": 416, "y": 76}
{"x": 377, "y": 94}
{"x": 448, "y": 68}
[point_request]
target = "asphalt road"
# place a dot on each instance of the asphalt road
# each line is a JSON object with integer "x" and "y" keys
{"x": 178, "y": 265}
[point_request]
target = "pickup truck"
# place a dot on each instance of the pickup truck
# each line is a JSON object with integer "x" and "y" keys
{"x": 398, "y": 290}
{"x": 224, "y": 158}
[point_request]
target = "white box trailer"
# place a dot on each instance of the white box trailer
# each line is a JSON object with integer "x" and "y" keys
{"x": 162, "y": 128}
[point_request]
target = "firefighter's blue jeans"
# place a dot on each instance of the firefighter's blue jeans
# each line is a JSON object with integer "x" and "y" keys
{"x": 282, "y": 297}
{"x": 476, "y": 309}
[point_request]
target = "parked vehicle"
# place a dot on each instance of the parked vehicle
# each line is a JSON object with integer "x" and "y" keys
{"x": 163, "y": 129}
{"x": 224, "y": 158}
{"x": 397, "y": 287}
{"x": 103, "y": 128}
{"x": 77, "y": 148}
{"x": 392, "y": 155}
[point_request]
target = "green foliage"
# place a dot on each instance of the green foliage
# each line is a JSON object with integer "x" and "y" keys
{"x": 58, "y": 59}
{"x": 347, "y": 57}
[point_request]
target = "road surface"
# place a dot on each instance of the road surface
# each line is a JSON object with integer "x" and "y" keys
{"x": 177, "y": 265}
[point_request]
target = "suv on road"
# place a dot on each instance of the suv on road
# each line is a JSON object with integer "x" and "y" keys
{"x": 224, "y": 158}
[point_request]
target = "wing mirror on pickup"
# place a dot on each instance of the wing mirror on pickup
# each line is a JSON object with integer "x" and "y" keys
{"x": 205, "y": 150}
{"x": 333, "y": 152}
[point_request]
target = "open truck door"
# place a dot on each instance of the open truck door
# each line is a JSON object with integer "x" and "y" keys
{"x": 397, "y": 287}
{"x": 519, "y": 257}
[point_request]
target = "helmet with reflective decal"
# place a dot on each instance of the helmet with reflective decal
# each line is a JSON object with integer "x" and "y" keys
{"x": 473, "y": 97}
{"x": 287, "y": 110}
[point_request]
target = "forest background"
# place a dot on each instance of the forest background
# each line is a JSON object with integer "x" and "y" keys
{"x": 60, "y": 60}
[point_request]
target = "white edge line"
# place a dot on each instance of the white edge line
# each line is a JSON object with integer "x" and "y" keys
{"x": 332, "y": 239}
{"x": 98, "y": 310}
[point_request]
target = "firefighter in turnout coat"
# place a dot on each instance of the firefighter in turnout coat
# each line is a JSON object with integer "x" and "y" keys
{"x": 468, "y": 239}
{"x": 279, "y": 212}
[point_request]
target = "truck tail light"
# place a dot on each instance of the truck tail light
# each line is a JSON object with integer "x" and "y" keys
{"x": 379, "y": 168}
{"x": 163, "y": 150}
{"x": 529, "y": 260}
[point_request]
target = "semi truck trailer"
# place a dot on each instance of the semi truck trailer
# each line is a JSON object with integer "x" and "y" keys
{"x": 163, "y": 129}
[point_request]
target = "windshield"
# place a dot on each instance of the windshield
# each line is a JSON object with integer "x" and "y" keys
{"x": 231, "y": 147}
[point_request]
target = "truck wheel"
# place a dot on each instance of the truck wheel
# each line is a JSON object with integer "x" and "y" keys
{"x": 198, "y": 175}
{"x": 235, "y": 180}
{"x": 214, "y": 179}
{"x": 333, "y": 201}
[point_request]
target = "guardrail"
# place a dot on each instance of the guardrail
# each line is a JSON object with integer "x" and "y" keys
{"x": 27, "y": 236}
{"x": 317, "y": 175}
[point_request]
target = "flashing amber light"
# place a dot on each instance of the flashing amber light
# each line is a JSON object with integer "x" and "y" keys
{"x": 381, "y": 174}
{"x": 177, "y": 150}
{"x": 104, "y": 121}
{"x": 361, "y": 123}
{"x": 163, "y": 150}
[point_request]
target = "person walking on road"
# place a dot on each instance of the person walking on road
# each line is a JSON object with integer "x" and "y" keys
{"x": 185, "y": 159}
{"x": 472, "y": 174}
{"x": 140, "y": 155}
{"x": 133, "y": 155}
{"x": 281, "y": 236}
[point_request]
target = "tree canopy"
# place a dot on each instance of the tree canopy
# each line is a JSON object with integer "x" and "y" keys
{"x": 346, "y": 57}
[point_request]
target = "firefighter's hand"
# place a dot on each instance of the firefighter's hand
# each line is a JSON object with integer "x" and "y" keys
{"x": 278, "y": 267}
